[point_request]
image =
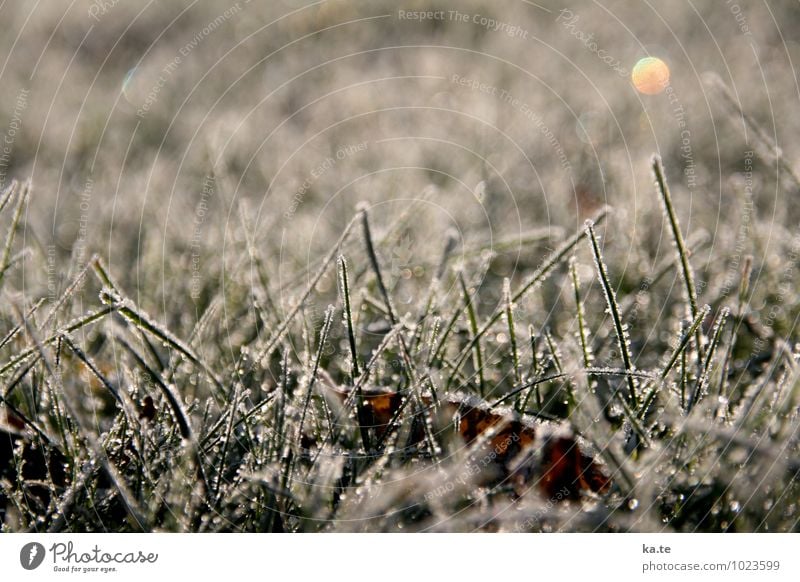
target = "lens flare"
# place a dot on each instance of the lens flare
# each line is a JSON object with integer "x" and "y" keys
{"x": 650, "y": 76}
{"x": 128, "y": 80}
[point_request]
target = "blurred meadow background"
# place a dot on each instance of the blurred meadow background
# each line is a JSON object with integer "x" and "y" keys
{"x": 179, "y": 179}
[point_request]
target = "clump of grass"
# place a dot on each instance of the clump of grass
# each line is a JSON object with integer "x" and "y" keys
{"x": 156, "y": 432}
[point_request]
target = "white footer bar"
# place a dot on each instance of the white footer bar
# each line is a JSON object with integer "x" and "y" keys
{"x": 373, "y": 557}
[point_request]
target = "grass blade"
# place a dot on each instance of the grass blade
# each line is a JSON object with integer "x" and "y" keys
{"x": 677, "y": 237}
{"x": 344, "y": 286}
{"x": 623, "y": 341}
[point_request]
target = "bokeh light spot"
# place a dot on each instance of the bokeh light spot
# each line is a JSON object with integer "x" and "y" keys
{"x": 650, "y": 76}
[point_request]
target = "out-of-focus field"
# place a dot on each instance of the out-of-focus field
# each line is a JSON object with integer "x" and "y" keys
{"x": 168, "y": 356}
